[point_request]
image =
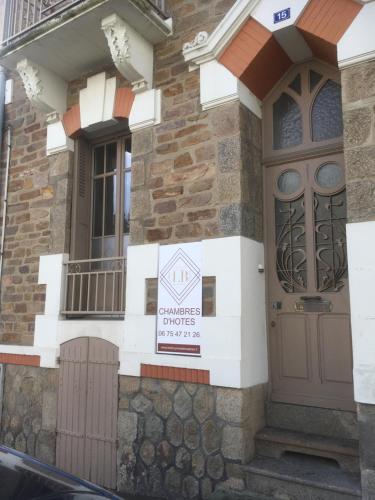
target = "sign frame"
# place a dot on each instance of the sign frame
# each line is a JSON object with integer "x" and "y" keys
{"x": 281, "y": 15}
{"x": 179, "y": 312}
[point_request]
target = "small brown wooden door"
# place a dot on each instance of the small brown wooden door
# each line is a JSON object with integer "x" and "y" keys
{"x": 87, "y": 410}
{"x": 308, "y": 316}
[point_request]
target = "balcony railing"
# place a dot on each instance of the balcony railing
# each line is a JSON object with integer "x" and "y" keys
{"x": 21, "y": 16}
{"x": 95, "y": 287}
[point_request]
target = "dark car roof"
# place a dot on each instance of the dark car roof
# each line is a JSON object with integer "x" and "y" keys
{"x": 20, "y": 471}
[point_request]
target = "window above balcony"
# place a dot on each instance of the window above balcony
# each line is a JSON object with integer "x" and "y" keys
{"x": 66, "y": 36}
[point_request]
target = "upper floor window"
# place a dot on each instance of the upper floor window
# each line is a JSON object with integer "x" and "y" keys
{"x": 101, "y": 214}
{"x": 304, "y": 109}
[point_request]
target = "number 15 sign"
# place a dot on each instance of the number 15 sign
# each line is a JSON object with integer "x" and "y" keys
{"x": 282, "y": 15}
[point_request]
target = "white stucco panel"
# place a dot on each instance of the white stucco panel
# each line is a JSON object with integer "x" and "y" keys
{"x": 234, "y": 341}
{"x": 361, "y": 244}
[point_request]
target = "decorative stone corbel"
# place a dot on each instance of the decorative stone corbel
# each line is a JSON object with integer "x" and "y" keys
{"x": 200, "y": 39}
{"x": 131, "y": 53}
{"x": 44, "y": 89}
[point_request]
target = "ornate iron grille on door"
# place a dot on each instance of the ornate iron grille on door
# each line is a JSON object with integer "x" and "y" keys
{"x": 291, "y": 244}
{"x": 330, "y": 241}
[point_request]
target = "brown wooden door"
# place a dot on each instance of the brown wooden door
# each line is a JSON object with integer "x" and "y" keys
{"x": 308, "y": 314}
{"x": 87, "y": 410}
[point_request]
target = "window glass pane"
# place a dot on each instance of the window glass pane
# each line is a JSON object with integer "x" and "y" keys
{"x": 109, "y": 247}
{"x": 327, "y": 113}
{"x": 287, "y": 123}
{"x": 330, "y": 175}
{"x": 97, "y": 220}
{"x": 128, "y": 155}
{"x": 127, "y": 198}
{"x": 111, "y": 154}
{"x": 314, "y": 79}
{"x": 296, "y": 84}
{"x": 96, "y": 248}
{"x": 289, "y": 181}
{"x": 99, "y": 160}
{"x": 110, "y": 206}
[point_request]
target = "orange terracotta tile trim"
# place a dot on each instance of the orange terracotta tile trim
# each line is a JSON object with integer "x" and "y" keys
{"x": 256, "y": 58}
{"x": 19, "y": 359}
{"x": 123, "y": 103}
{"x": 191, "y": 376}
{"x": 72, "y": 121}
{"x": 323, "y": 23}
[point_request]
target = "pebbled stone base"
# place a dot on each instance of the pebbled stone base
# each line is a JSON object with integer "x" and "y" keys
{"x": 181, "y": 440}
{"x": 30, "y": 411}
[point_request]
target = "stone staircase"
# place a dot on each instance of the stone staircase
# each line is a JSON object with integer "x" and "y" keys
{"x": 294, "y": 466}
{"x": 291, "y": 464}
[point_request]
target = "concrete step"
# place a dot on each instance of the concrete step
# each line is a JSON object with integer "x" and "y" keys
{"x": 296, "y": 477}
{"x": 221, "y": 494}
{"x": 321, "y": 421}
{"x": 273, "y": 443}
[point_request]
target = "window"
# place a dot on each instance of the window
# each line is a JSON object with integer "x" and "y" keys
{"x": 101, "y": 215}
{"x": 95, "y": 274}
{"x": 303, "y": 111}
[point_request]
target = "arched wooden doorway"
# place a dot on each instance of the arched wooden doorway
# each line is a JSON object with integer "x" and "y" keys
{"x": 87, "y": 410}
{"x": 305, "y": 216}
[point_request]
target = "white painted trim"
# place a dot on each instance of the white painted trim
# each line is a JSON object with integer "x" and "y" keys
{"x": 146, "y": 110}
{"x": 219, "y": 86}
{"x": 57, "y": 140}
{"x": 358, "y": 43}
{"x": 101, "y": 91}
{"x": 361, "y": 261}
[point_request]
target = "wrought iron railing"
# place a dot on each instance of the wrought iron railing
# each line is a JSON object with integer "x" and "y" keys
{"x": 23, "y": 15}
{"x": 95, "y": 287}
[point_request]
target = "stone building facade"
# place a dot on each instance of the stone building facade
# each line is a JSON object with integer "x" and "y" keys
{"x": 137, "y": 124}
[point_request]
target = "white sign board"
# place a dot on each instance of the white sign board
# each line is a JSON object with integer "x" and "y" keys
{"x": 180, "y": 299}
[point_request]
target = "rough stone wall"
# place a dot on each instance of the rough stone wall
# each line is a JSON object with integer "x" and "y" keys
{"x": 358, "y": 91}
{"x": 30, "y": 411}
{"x": 193, "y": 175}
{"x": 180, "y": 440}
{"x": 38, "y": 216}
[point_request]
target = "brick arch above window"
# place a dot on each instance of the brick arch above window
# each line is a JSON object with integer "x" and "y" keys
{"x": 122, "y": 106}
{"x": 255, "y": 56}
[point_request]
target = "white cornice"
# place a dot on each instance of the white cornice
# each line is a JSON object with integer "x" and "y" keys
{"x": 205, "y": 49}
{"x": 352, "y": 61}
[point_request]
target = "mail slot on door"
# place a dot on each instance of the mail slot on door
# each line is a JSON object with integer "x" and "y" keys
{"x": 313, "y": 304}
